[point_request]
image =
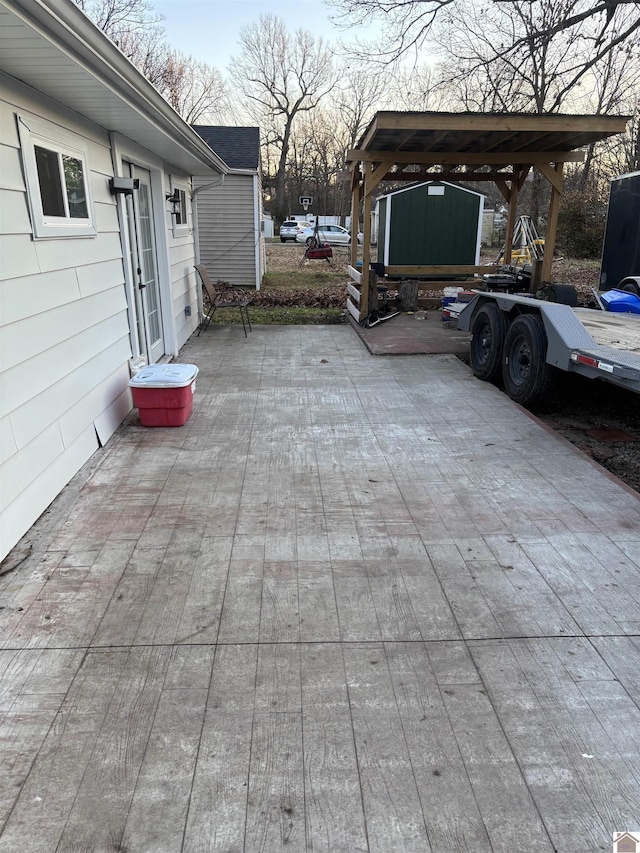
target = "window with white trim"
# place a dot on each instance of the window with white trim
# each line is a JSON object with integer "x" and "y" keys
{"x": 179, "y": 220}
{"x": 57, "y": 179}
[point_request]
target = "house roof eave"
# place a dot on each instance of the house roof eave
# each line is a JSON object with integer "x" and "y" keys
{"x": 120, "y": 98}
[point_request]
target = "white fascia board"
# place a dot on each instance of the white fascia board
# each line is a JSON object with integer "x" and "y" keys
{"x": 67, "y": 28}
{"x": 426, "y": 184}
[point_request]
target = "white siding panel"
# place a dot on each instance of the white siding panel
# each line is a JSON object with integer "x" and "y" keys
{"x": 28, "y": 338}
{"x": 69, "y": 252}
{"x": 106, "y": 218}
{"x": 183, "y": 290}
{"x": 35, "y": 498}
{"x": 181, "y": 252}
{"x": 8, "y": 125}
{"x": 8, "y": 445}
{"x": 97, "y": 401}
{"x": 63, "y": 396}
{"x": 21, "y": 469}
{"x": 109, "y": 421}
{"x": 35, "y": 294}
{"x": 227, "y": 225}
{"x": 189, "y": 326}
{"x": 29, "y": 379}
{"x": 96, "y": 277}
{"x": 10, "y": 169}
{"x": 17, "y": 255}
{"x": 14, "y": 215}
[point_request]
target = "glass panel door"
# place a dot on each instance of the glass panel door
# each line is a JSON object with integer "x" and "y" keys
{"x": 145, "y": 267}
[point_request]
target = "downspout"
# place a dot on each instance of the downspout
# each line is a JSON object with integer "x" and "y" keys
{"x": 196, "y": 233}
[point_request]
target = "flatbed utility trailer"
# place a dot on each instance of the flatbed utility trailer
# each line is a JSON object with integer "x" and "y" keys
{"x": 525, "y": 340}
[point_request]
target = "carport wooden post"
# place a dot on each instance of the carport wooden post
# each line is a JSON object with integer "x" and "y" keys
{"x": 554, "y": 176}
{"x": 355, "y": 210}
{"x": 370, "y": 183}
{"x": 511, "y": 197}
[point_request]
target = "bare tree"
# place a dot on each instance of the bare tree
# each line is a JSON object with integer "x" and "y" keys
{"x": 195, "y": 90}
{"x": 563, "y": 71}
{"x": 408, "y": 24}
{"x": 283, "y": 76}
{"x": 134, "y": 27}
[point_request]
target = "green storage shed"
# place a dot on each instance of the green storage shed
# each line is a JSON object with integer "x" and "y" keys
{"x": 432, "y": 223}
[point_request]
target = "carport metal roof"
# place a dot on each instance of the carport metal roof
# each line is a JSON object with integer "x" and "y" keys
{"x": 497, "y": 147}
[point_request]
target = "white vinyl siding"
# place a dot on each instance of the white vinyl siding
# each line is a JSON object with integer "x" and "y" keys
{"x": 64, "y": 326}
{"x": 229, "y": 230}
{"x": 182, "y": 258}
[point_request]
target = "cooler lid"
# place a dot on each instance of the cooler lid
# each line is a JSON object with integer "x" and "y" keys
{"x": 164, "y": 376}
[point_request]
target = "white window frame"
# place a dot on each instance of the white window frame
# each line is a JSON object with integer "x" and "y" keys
{"x": 181, "y": 229}
{"x": 37, "y": 134}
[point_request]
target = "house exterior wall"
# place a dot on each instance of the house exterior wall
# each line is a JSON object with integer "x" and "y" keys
{"x": 65, "y": 338}
{"x": 229, "y": 228}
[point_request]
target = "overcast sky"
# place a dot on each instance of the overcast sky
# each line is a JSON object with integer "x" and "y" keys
{"x": 209, "y": 29}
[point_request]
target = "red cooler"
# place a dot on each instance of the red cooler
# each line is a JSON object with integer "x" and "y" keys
{"x": 163, "y": 393}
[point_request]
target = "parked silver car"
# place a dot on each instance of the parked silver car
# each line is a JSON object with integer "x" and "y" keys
{"x": 289, "y": 229}
{"x": 334, "y": 234}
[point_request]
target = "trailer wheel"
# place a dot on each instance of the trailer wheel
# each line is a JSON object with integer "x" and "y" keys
{"x": 527, "y": 376}
{"x": 487, "y": 339}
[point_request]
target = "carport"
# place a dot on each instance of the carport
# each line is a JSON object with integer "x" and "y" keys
{"x": 499, "y": 147}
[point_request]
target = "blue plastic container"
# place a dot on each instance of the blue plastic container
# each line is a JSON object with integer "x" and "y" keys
{"x": 621, "y": 301}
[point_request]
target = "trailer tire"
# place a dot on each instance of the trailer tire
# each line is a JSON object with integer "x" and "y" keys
{"x": 487, "y": 339}
{"x": 526, "y": 375}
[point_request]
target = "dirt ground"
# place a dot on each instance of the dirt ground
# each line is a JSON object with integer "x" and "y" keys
{"x": 600, "y": 419}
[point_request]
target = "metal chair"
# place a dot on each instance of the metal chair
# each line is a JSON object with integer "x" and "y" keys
{"x": 222, "y": 295}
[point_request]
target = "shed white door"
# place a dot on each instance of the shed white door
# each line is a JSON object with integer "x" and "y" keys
{"x": 144, "y": 263}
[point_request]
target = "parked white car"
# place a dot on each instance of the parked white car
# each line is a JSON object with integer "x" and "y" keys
{"x": 334, "y": 234}
{"x": 289, "y": 229}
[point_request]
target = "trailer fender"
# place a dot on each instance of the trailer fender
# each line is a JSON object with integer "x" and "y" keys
{"x": 631, "y": 284}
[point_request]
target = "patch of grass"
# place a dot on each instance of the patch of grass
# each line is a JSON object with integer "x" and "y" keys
{"x": 303, "y": 279}
{"x": 283, "y": 316}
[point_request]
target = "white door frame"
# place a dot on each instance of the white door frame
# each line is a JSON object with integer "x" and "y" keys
{"x": 124, "y": 151}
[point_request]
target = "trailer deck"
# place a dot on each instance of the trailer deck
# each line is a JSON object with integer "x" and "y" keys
{"x": 596, "y": 344}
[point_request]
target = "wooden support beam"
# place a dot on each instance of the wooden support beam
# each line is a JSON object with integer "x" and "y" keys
{"x": 511, "y": 221}
{"x": 378, "y": 173}
{"x": 355, "y": 216}
{"x": 464, "y": 158}
{"x": 437, "y": 269}
{"x": 370, "y": 183}
{"x": 498, "y": 122}
{"x": 452, "y": 177}
{"x": 552, "y": 225}
{"x": 551, "y": 175}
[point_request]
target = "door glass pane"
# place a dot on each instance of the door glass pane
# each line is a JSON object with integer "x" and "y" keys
{"x": 133, "y": 265}
{"x": 48, "y": 165}
{"x": 148, "y": 262}
{"x": 74, "y": 182}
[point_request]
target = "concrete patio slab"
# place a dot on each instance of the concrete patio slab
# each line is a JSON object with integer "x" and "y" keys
{"x": 354, "y": 604}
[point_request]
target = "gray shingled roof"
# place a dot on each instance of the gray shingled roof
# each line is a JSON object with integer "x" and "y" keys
{"x": 239, "y": 147}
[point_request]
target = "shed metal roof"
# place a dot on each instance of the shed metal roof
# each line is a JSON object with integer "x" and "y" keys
{"x": 493, "y": 137}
